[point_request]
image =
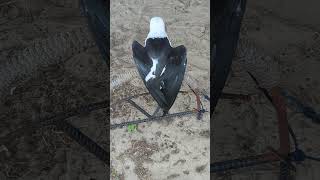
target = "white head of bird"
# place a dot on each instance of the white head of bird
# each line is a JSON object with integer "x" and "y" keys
{"x": 157, "y": 29}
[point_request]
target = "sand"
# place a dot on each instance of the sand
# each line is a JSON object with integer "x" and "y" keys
{"x": 287, "y": 31}
{"x": 176, "y": 148}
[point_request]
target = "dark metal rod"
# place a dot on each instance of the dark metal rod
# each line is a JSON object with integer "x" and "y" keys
{"x": 235, "y": 96}
{"x": 139, "y": 108}
{"x": 153, "y": 118}
{"x": 84, "y": 140}
{"x": 138, "y": 95}
{"x": 242, "y": 163}
{"x": 30, "y": 126}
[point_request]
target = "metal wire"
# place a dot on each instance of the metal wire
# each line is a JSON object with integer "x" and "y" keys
{"x": 154, "y": 118}
{"x": 237, "y": 163}
{"x": 285, "y": 166}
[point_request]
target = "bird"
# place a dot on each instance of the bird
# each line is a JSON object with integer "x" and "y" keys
{"x": 161, "y": 66}
{"x": 97, "y": 14}
{"x": 227, "y": 18}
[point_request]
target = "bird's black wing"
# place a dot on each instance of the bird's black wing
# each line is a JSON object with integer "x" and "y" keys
{"x": 174, "y": 73}
{"x": 141, "y": 59}
{"x": 144, "y": 64}
{"x": 227, "y": 19}
{"x": 169, "y": 73}
{"x": 97, "y": 13}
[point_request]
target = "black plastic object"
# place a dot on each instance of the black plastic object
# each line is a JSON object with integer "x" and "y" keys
{"x": 97, "y": 12}
{"x": 169, "y": 68}
{"x": 227, "y": 17}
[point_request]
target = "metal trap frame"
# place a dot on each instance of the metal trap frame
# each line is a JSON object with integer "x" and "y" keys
{"x": 283, "y": 155}
{"x": 198, "y": 111}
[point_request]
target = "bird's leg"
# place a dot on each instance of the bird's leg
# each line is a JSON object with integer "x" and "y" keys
{"x": 156, "y": 111}
{"x": 165, "y": 112}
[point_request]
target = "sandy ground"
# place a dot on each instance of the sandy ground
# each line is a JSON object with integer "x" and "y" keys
{"x": 177, "y": 149}
{"x": 47, "y": 153}
{"x": 172, "y": 149}
{"x": 294, "y": 43}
